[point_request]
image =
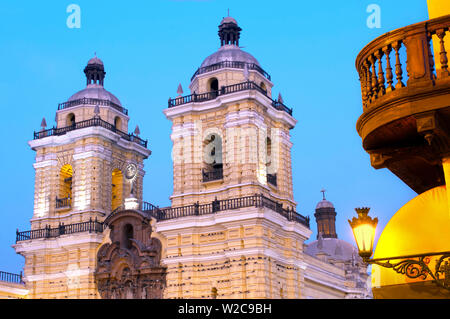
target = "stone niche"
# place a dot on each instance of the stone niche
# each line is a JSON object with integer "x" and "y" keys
{"x": 129, "y": 267}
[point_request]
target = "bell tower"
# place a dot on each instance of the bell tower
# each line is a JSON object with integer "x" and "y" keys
{"x": 232, "y": 221}
{"x": 80, "y": 178}
{"x": 230, "y": 137}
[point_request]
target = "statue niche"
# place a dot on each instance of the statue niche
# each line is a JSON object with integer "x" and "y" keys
{"x": 129, "y": 267}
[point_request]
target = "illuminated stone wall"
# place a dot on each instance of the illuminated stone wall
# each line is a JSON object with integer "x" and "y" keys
{"x": 63, "y": 267}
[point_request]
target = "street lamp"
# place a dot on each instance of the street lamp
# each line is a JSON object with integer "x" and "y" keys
{"x": 364, "y": 231}
{"x": 413, "y": 266}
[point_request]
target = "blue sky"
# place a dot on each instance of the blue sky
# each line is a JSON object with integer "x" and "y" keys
{"x": 148, "y": 47}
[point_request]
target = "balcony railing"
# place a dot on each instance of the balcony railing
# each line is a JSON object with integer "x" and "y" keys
{"x": 216, "y": 206}
{"x": 244, "y": 86}
{"x": 90, "y": 101}
{"x": 232, "y": 65}
{"x": 63, "y": 202}
{"x": 212, "y": 175}
{"x": 89, "y": 123}
{"x": 48, "y": 232}
{"x": 272, "y": 179}
{"x": 386, "y": 57}
{"x": 10, "y": 277}
{"x": 405, "y": 90}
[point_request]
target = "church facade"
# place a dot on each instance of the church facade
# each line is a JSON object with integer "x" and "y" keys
{"x": 231, "y": 231}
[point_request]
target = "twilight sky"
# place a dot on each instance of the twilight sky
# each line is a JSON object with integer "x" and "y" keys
{"x": 148, "y": 47}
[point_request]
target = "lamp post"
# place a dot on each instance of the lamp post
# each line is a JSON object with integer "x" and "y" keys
{"x": 413, "y": 266}
{"x": 364, "y": 231}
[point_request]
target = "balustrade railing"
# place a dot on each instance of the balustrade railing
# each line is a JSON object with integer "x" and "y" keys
{"x": 381, "y": 65}
{"x": 258, "y": 200}
{"x": 232, "y": 65}
{"x": 243, "y": 86}
{"x": 10, "y": 277}
{"x": 91, "y": 101}
{"x": 49, "y": 232}
{"x": 63, "y": 202}
{"x": 96, "y": 121}
{"x": 212, "y": 175}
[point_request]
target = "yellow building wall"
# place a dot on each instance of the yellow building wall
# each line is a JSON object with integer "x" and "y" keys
{"x": 439, "y": 8}
{"x": 10, "y": 290}
{"x": 419, "y": 227}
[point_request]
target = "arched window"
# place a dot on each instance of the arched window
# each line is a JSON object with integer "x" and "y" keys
{"x": 71, "y": 119}
{"x": 263, "y": 86}
{"x": 118, "y": 123}
{"x": 64, "y": 197}
{"x": 268, "y": 151}
{"x": 212, "y": 158}
{"x": 127, "y": 234}
{"x": 117, "y": 189}
{"x": 213, "y": 84}
{"x": 270, "y": 169}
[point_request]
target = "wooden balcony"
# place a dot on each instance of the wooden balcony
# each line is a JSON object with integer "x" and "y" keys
{"x": 405, "y": 92}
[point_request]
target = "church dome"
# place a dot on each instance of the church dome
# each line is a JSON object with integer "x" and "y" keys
{"x": 324, "y": 204}
{"x": 95, "y": 91}
{"x": 229, "y": 52}
{"x": 229, "y": 34}
{"x": 95, "y": 60}
{"x": 336, "y": 249}
{"x": 95, "y": 74}
{"x": 228, "y": 20}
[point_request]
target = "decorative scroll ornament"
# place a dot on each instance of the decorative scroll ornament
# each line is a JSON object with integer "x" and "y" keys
{"x": 131, "y": 174}
{"x": 413, "y": 268}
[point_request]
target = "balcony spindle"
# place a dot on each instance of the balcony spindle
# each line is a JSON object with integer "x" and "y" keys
{"x": 398, "y": 66}
{"x": 381, "y": 87}
{"x": 362, "y": 79}
{"x": 372, "y": 60}
{"x": 443, "y": 54}
{"x": 389, "y": 76}
{"x": 430, "y": 57}
{"x": 368, "y": 81}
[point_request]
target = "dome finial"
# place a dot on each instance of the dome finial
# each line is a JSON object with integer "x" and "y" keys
{"x": 95, "y": 71}
{"x": 137, "y": 131}
{"x": 229, "y": 31}
{"x": 323, "y": 193}
{"x": 180, "y": 90}
{"x": 43, "y": 124}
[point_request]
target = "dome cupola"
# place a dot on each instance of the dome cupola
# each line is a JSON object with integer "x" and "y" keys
{"x": 95, "y": 75}
{"x": 229, "y": 32}
{"x": 229, "y": 51}
{"x": 95, "y": 71}
{"x": 326, "y": 218}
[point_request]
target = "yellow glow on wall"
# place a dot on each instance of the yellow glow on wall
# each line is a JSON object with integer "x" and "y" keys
{"x": 438, "y": 8}
{"x": 117, "y": 189}
{"x": 65, "y": 181}
{"x": 421, "y": 226}
{"x": 261, "y": 173}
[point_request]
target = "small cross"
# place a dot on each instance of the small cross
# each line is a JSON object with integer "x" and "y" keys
{"x": 323, "y": 193}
